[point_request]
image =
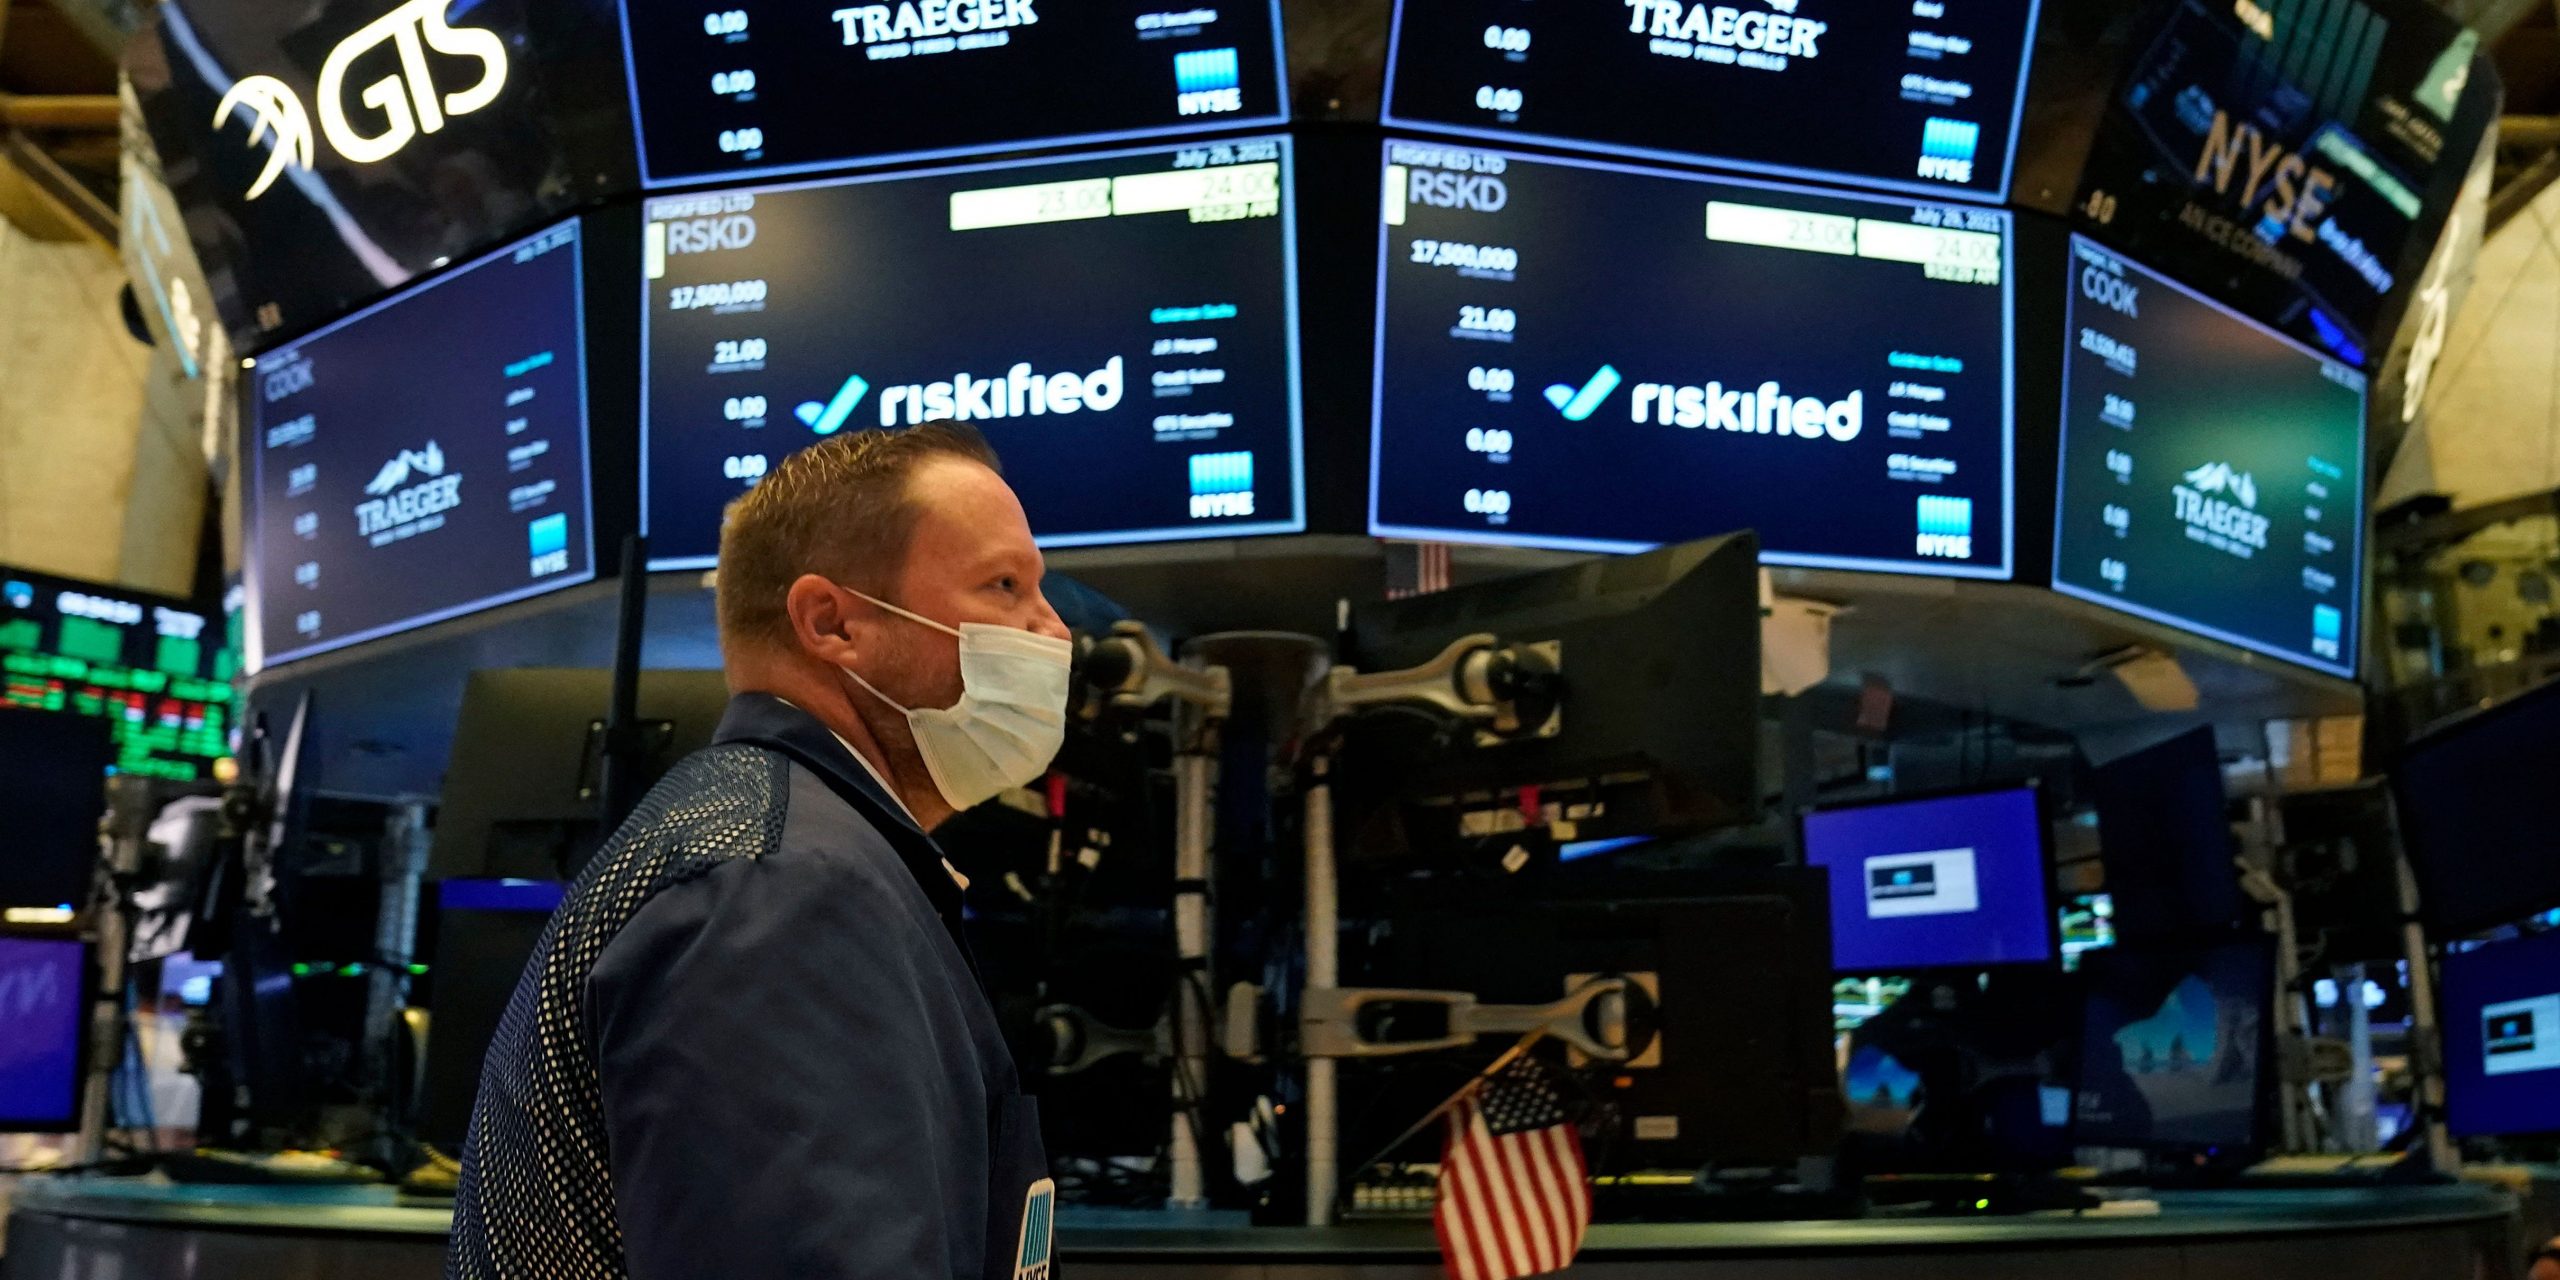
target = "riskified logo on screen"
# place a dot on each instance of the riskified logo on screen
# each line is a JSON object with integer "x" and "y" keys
{"x": 399, "y": 509}
{"x": 407, "y": 101}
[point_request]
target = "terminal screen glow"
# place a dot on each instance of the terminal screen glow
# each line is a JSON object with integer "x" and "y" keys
{"x": 1122, "y": 328}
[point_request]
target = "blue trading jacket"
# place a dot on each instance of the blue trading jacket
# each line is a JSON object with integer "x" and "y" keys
{"x": 752, "y": 1043}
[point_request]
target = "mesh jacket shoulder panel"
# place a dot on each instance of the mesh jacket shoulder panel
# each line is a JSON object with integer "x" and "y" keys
{"x": 536, "y": 1198}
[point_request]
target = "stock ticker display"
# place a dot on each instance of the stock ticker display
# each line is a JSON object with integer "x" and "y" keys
{"x": 2212, "y": 469}
{"x": 1917, "y": 97}
{"x": 1121, "y": 327}
{"x": 157, "y": 671}
{"x": 768, "y": 87}
{"x": 422, "y": 458}
{"x": 1592, "y": 356}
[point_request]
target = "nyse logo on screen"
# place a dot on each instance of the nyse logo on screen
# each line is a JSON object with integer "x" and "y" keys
{"x": 1947, "y": 147}
{"x": 1440, "y": 189}
{"x": 1221, "y": 485}
{"x": 548, "y": 541}
{"x": 2328, "y": 630}
{"x": 406, "y": 103}
{"x": 2219, "y": 503}
{"x": 1946, "y": 527}
{"x": 1207, "y": 82}
{"x": 399, "y": 509}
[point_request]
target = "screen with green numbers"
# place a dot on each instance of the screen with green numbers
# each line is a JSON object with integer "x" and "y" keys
{"x": 158, "y": 669}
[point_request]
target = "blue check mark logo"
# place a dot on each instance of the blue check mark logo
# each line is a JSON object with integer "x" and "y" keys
{"x": 826, "y": 419}
{"x": 1579, "y": 403}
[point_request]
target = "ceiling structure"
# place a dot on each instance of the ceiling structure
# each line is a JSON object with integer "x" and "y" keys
{"x": 58, "y": 116}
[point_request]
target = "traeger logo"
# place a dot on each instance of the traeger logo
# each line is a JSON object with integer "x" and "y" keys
{"x": 407, "y": 100}
{"x": 395, "y": 512}
{"x": 1723, "y": 34}
{"x": 935, "y": 26}
{"x": 2219, "y": 505}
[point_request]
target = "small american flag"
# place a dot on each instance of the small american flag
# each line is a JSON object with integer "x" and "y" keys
{"x": 1514, "y": 1197}
{"x": 1416, "y": 569}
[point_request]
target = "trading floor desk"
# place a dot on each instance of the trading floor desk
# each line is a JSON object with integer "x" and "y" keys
{"x": 80, "y": 1229}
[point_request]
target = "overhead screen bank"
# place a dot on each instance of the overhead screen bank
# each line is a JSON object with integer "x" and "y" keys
{"x": 514, "y": 281}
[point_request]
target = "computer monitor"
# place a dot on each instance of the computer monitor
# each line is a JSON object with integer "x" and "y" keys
{"x": 522, "y": 794}
{"x": 44, "y": 989}
{"x": 56, "y": 764}
{"x": 2475, "y": 814}
{"x": 1953, "y": 881}
{"x": 2176, "y": 1046}
{"x": 2341, "y": 863}
{"x": 2165, "y": 844}
{"x": 1742, "y": 1074}
{"x": 486, "y": 931}
{"x": 2502, "y": 1037}
{"x": 1968, "y": 1072}
{"x": 1659, "y": 658}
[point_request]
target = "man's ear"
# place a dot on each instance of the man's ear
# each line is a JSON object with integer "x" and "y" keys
{"x": 822, "y": 626}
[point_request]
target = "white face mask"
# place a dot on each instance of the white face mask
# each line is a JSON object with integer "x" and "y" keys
{"x": 1010, "y": 719}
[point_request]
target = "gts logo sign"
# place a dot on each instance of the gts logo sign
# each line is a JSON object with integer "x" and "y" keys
{"x": 710, "y": 235}
{"x": 1440, "y": 189}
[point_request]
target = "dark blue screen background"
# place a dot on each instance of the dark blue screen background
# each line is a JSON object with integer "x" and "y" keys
{"x": 40, "y": 1054}
{"x": 2524, "y": 1101}
{"x": 2011, "y": 924}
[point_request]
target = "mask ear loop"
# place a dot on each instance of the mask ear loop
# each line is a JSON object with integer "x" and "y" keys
{"x": 873, "y": 690}
{"x": 908, "y": 614}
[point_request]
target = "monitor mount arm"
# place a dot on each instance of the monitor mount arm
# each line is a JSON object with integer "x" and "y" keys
{"x": 1508, "y": 692}
{"x": 1606, "y": 1018}
{"x": 1126, "y": 670}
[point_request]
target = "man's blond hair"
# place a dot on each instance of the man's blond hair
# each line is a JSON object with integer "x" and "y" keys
{"x": 840, "y": 508}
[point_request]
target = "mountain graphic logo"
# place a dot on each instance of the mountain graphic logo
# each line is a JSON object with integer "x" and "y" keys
{"x": 395, "y": 473}
{"x": 1577, "y": 404}
{"x": 2219, "y": 477}
{"x": 828, "y": 418}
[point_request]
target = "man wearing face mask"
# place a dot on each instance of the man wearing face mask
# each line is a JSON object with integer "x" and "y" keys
{"x": 753, "y": 1042}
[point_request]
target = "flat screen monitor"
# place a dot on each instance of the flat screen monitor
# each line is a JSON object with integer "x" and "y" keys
{"x": 156, "y": 670}
{"x": 1121, "y": 327}
{"x": 2502, "y": 1037}
{"x": 423, "y": 458}
{"x": 1922, "y": 99}
{"x": 323, "y": 153}
{"x": 2165, "y": 842}
{"x": 2295, "y": 158}
{"x": 2212, "y": 470}
{"x": 57, "y": 765}
{"x": 44, "y": 985}
{"x": 1938, "y": 882}
{"x": 776, "y": 88}
{"x": 1594, "y": 357}
{"x": 2473, "y": 818}
{"x": 2175, "y": 1047}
